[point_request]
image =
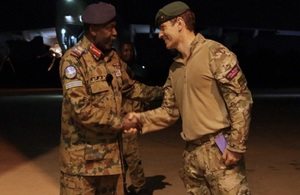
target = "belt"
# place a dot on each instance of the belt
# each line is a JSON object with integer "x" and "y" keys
{"x": 209, "y": 137}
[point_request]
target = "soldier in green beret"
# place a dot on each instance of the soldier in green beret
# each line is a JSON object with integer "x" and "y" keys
{"x": 94, "y": 80}
{"x": 208, "y": 89}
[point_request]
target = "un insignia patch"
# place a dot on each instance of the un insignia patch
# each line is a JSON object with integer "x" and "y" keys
{"x": 70, "y": 72}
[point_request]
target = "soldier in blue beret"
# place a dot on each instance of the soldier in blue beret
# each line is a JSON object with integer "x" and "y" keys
{"x": 208, "y": 89}
{"x": 94, "y": 80}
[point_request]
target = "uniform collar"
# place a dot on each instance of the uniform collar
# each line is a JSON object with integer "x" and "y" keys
{"x": 198, "y": 39}
{"x": 96, "y": 53}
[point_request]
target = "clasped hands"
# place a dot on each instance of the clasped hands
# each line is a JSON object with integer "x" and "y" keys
{"x": 131, "y": 123}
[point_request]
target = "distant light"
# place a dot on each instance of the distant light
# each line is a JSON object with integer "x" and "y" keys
{"x": 69, "y": 0}
{"x": 143, "y": 67}
{"x": 69, "y": 19}
{"x": 72, "y": 37}
{"x": 288, "y": 33}
{"x": 63, "y": 31}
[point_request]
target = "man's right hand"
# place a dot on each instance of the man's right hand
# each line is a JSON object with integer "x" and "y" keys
{"x": 131, "y": 124}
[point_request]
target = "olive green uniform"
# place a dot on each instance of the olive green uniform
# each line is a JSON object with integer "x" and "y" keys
{"x": 210, "y": 94}
{"x": 93, "y": 84}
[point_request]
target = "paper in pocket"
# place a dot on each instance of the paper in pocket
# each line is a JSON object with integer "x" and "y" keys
{"x": 221, "y": 142}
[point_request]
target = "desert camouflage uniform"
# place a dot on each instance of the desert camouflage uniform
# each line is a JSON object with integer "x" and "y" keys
{"x": 212, "y": 98}
{"x": 93, "y": 85}
{"x": 133, "y": 162}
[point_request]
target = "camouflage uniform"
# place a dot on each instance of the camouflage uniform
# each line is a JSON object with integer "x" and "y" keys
{"x": 211, "y": 95}
{"x": 133, "y": 162}
{"x": 93, "y": 84}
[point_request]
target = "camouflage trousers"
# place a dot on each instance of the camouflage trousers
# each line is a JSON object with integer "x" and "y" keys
{"x": 204, "y": 172}
{"x": 132, "y": 161}
{"x": 91, "y": 185}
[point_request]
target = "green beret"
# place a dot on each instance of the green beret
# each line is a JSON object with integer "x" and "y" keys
{"x": 98, "y": 13}
{"x": 170, "y": 11}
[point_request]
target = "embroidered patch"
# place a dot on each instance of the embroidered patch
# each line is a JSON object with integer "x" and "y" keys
{"x": 73, "y": 84}
{"x": 117, "y": 68}
{"x": 233, "y": 72}
{"x": 70, "y": 72}
{"x": 78, "y": 50}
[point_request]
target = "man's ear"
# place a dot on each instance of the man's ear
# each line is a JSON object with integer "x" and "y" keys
{"x": 180, "y": 22}
{"x": 92, "y": 30}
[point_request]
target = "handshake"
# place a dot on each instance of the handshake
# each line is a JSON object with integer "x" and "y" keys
{"x": 131, "y": 123}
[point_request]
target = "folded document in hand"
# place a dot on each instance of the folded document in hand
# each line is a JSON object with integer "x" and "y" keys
{"x": 221, "y": 142}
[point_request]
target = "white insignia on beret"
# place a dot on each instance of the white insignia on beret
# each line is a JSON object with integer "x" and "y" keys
{"x": 74, "y": 84}
{"x": 70, "y": 72}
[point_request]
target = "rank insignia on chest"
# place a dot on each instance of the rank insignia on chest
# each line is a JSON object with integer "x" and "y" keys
{"x": 70, "y": 72}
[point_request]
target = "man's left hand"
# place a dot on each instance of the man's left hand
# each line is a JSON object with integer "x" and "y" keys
{"x": 231, "y": 157}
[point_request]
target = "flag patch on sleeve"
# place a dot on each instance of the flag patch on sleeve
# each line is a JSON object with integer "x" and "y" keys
{"x": 233, "y": 72}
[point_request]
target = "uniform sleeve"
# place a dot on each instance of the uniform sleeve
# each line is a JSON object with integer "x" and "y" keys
{"x": 163, "y": 116}
{"x": 135, "y": 90}
{"x": 79, "y": 103}
{"x": 145, "y": 93}
{"x": 233, "y": 86}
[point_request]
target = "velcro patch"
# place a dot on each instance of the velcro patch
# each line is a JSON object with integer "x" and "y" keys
{"x": 233, "y": 72}
{"x": 74, "y": 84}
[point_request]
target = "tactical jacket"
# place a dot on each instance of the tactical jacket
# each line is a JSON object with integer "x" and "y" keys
{"x": 209, "y": 91}
{"x": 93, "y": 84}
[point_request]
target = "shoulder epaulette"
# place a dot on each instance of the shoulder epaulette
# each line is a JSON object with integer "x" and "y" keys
{"x": 78, "y": 50}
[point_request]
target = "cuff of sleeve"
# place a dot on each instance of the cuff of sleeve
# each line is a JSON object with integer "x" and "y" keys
{"x": 118, "y": 123}
{"x": 142, "y": 121}
{"x": 236, "y": 148}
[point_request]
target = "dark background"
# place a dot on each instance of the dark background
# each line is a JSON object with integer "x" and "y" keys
{"x": 269, "y": 60}
{"x": 264, "y": 14}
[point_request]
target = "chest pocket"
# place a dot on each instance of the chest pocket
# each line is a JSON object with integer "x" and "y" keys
{"x": 99, "y": 87}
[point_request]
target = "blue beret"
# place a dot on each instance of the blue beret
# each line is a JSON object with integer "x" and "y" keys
{"x": 98, "y": 13}
{"x": 170, "y": 11}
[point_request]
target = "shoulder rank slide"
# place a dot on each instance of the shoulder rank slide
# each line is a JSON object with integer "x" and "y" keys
{"x": 78, "y": 50}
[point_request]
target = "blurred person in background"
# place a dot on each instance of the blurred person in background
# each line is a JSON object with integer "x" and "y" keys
{"x": 131, "y": 153}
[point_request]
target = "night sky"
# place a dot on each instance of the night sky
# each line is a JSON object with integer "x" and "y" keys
{"x": 25, "y": 15}
{"x": 270, "y": 14}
